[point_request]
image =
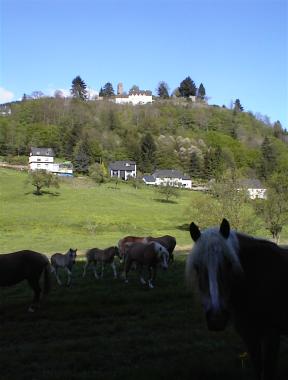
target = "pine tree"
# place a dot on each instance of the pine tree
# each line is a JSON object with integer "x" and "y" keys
{"x": 201, "y": 92}
{"x": 195, "y": 166}
{"x": 237, "y": 106}
{"x": 163, "y": 90}
{"x": 269, "y": 158}
{"x": 107, "y": 90}
{"x": 78, "y": 89}
{"x": 147, "y": 153}
{"x": 187, "y": 88}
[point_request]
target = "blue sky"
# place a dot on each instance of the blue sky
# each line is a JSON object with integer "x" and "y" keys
{"x": 236, "y": 48}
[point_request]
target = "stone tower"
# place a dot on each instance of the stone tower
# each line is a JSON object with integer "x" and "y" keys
{"x": 120, "y": 89}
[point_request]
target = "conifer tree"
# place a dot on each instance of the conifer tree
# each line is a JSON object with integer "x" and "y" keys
{"x": 147, "y": 153}
{"x": 201, "y": 92}
{"x": 163, "y": 90}
{"x": 107, "y": 90}
{"x": 187, "y": 88}
{"x": 78, "y": 89}
{"x": 237, "y": 106}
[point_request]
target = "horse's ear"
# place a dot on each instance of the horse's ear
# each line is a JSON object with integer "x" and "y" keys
{"x": 194, "y": 231}
{"x": 225, "y": 228}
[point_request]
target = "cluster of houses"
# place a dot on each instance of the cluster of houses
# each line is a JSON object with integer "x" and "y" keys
{"x": 43, "y": 158}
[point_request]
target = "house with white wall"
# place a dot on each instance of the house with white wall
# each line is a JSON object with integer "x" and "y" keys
{"x": 254, "y": 188}
{"x": 43, "y": 159}
{"x": 169, "y": 177}
{"x": 134, "y": 97}
{"x": 123, "y": 169}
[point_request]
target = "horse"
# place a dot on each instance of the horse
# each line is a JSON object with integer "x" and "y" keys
{"x": 66, "y": 261}
{"x": 146, "y": 254}
{"x": 243, "y": 279}
{"x": 167, "y": 241}
{"x": 26, "y": 265}
{"x": 104, "y": 256}
{"x": 124, "y": 243}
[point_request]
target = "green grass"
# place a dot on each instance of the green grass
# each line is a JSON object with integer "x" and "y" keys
{"x": 83, "y": 215}
{"x": 106, "y": 329}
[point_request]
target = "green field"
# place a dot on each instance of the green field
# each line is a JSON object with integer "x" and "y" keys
{"x": 107, "y": 329}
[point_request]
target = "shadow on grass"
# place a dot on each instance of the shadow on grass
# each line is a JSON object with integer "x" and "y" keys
{"x": 169, "y": 201}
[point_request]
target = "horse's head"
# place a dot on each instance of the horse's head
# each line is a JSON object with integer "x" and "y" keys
{"x": 162, "y": 254}
{"x": 117, "y": 252}
{"x": 215, "y": 260}
{"x": 72, "y": 253}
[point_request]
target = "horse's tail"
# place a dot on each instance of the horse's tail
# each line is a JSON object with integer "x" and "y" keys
{"x": 47, "y": 278}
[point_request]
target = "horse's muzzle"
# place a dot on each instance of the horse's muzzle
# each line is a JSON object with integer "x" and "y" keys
{"x": 217, "y": 321}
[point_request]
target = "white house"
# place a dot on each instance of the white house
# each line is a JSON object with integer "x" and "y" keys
{"x": 43, "y": 158}
{"x": 168, "y": 176}
{"x": 123, "y": 169}
{"x": 254, "y": 188}
{"x": 134, "y": 97}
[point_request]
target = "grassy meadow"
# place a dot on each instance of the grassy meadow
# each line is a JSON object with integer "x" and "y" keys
{"x": 106, "y": 329}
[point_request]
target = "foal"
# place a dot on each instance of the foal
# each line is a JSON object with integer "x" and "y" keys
{"x": 146, "y": 254}
{"x": 103, "y": 256}
{"x": 66, "y": 261}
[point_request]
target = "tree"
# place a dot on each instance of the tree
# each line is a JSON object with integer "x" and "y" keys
{"x": 147, "y": 153}
{"x": 163, "y": 90}
{"x": 237, "y": 106}
{"x": 134, "y": 89}
{"x": 201, "y": 92}
{"x": 274, "y": 209}
{"x": 269, "y": 158}
{"x": 195, "y": 169}
{"x": 187, "y": 88}
{"x": 82, "y": 156}
{"x": 98, "y": 173}
{"x": 42, "y": 178}
{"x": 107, "y": 90}
{"x": 78, "y": 89}
{"x": 277, "y": 129}
{"x": 167, "y": 191}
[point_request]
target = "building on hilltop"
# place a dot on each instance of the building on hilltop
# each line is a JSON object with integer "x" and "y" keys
{"x": 123, "y": 169}
{"x": 43, "y": 159}
{"x": 134, "y": 97}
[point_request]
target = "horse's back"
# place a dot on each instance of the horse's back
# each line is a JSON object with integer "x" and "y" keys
{"x": 19, "y": 265}
{"x": 143, "y": 253}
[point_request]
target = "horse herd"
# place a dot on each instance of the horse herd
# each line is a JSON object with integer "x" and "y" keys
{"x": 240, "y": 279}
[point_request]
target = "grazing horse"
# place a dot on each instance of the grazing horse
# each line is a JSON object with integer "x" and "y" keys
{"x": 245, "y": 279}
{"x": 66, "y": 261}
{"x": 167, "y": 241}
{"x": 146, "y": 254}
{"x": 103, "y": 256}
{"x": 124, "y": 243}
{"x": 26, "y": 265}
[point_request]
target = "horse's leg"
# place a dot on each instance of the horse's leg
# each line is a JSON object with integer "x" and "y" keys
{"x": 69, "y": 276}
{"x": 152, "y": 276}
{"x": 270, "y": 352}
{"x": 85, "y": 268}
{"x": 114, "y": 269}
{"x": 253, "y": 344}
{"x": 95, "y": 270}
{"x": 140, "y": 271}
{"x": 55, "y": 271}
{"x": 128, "y": 263}
{"x": 34, "y": 284}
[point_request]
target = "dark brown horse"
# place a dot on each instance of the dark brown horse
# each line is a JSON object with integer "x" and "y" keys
{"x": 244, "y": 279}
{"x": 25, "y": 265}
{"x": 146, "y": 254}
{"x": 167, "y": 241}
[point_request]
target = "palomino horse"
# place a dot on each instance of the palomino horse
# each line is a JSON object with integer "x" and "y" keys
{"x": 124, "y": 243}
{"x": 245, "y": 279}
{"x": 26, "y": 265}
{"x": 103, "y": 256}
{"x": 167, "y": 241}
{"x": 146, "y": 254}
{"x": 66, "y": 261}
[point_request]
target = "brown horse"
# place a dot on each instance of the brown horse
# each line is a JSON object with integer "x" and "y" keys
{"x": 103, "y": 256}
{"x": 25, "y": 265}
{"x": 124, "y": 243}
{"x": 146, "y": 254}
{"x": 244, "y": 279}
{"x": 167, "y": 241}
